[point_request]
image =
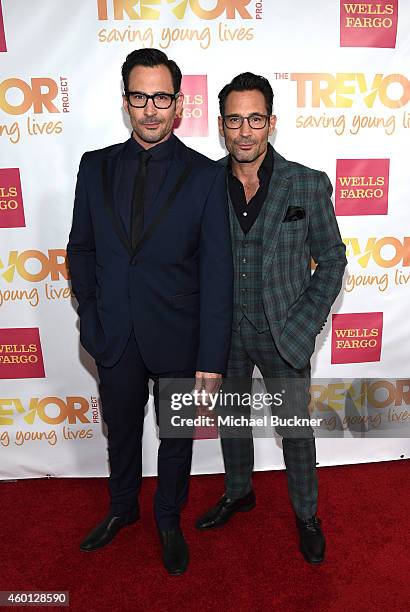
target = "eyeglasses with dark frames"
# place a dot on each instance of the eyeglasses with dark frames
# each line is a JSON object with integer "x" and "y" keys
{"x": 139, "y": 99}
{"x": 255, "y": 121}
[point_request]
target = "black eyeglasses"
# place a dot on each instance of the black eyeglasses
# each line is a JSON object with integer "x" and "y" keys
{"x": 256, "y": 122}
{"x": 139, "y": 99}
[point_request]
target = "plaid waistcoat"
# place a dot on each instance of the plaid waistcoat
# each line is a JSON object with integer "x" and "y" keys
{"x": 248, "y": 257}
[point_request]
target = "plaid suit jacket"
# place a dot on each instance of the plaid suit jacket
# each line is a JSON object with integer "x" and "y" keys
{"x": 296, "y": 302}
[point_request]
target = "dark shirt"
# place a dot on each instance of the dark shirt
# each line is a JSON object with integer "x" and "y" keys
{"x": 247, "y": 213}
{"x": 157, "y": 168}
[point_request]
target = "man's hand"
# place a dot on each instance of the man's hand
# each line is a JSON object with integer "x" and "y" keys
{"x": 209, "y": 382}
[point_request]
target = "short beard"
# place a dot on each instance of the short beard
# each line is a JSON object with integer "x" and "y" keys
{"x": 151, "y": 137}
{"x": 245, "y": 161}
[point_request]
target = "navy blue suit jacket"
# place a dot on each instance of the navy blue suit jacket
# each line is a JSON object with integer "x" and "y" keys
{"x": 176, "y": 287}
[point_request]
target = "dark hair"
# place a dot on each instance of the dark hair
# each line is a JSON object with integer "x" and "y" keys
{"x": 150, "y": 58}
{"x": 246, "y": 82}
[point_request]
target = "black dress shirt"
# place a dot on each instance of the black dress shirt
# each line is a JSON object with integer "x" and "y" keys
{"x": 247, "y": 213}
{"x": 158, "y": 166}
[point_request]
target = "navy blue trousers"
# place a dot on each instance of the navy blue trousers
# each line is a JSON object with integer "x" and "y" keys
{"x": 124, "y": 393}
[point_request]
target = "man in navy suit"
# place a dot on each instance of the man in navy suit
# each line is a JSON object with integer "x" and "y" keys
{"x": 150, "y": 259}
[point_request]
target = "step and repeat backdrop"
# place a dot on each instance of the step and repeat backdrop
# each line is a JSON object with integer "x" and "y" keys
{"x": 340, "y": 71}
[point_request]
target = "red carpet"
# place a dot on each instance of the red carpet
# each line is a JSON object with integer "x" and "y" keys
{"x": 251, "y": 564}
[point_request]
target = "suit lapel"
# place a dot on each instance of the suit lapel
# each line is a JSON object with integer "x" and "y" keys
{"x": 110, "y": 175}
{"x": 177, "y": 172}
{"x": 231, "y": 209}
{"x": 175, "y": 168}
{"x": 275, "y": 209}
{"x": 231, "y": 224}
{"x": 175, "y": 178}
{"x": 275, "y": 203}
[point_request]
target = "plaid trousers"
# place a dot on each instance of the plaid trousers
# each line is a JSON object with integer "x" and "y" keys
{"x": 250, "y": 348}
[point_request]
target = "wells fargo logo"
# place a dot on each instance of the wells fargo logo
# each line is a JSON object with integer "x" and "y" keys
{"x": 194, "y": 121}
{"x": 368, "y": 24}
{"x": 11, "y": 199}
{"x": 20, "y": 353}
{"x": 356, "y": 337}
{"x": 386, "y": 252}
{"x": 155, "y": 9}
{"x": 362, "y": 186}
{"x": 3, "y": 46}
{"x": 343, "y": 89}
{"x": 34, "y": 266}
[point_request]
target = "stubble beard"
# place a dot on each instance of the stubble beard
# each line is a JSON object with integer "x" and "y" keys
{"x": 151, "y": 136}
{"x": 245, "y": 157}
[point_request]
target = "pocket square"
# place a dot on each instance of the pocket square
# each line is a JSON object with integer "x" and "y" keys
{"x": 294, "y": 213}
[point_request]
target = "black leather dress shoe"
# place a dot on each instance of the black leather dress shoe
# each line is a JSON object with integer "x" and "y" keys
{"x": 107, "y": 530}
{"x": 312, "y": 540}
{"x": 224, "y": 509}
{"x": 175, "y": 554}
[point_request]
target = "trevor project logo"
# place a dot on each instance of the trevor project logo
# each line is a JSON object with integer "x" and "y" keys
{"x": 152, "y": 9}
{"x": 356, "y": 337}
{"x": 20, "y": 353}
{"x": 11, "y": 199}
{"x": 362, "y": 186}
{"x": 368, "y": 24}
{"x": 194, "y": 120}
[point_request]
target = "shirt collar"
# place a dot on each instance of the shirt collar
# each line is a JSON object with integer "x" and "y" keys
{"x": 160, "y": 152}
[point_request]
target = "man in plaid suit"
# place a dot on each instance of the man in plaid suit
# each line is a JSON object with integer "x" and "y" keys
{"x": 281, "y": 216}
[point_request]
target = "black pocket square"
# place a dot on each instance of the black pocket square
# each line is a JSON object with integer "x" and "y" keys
{"x": 294, "y": 213}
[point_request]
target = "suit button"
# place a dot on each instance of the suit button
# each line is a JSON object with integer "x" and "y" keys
{"x": 134, "y": 263}
{"x": 245, "y": 306}
{"x": 244, "y": 275}
{"x": 244, "y": 260}
{"x": 245, "y": 244}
